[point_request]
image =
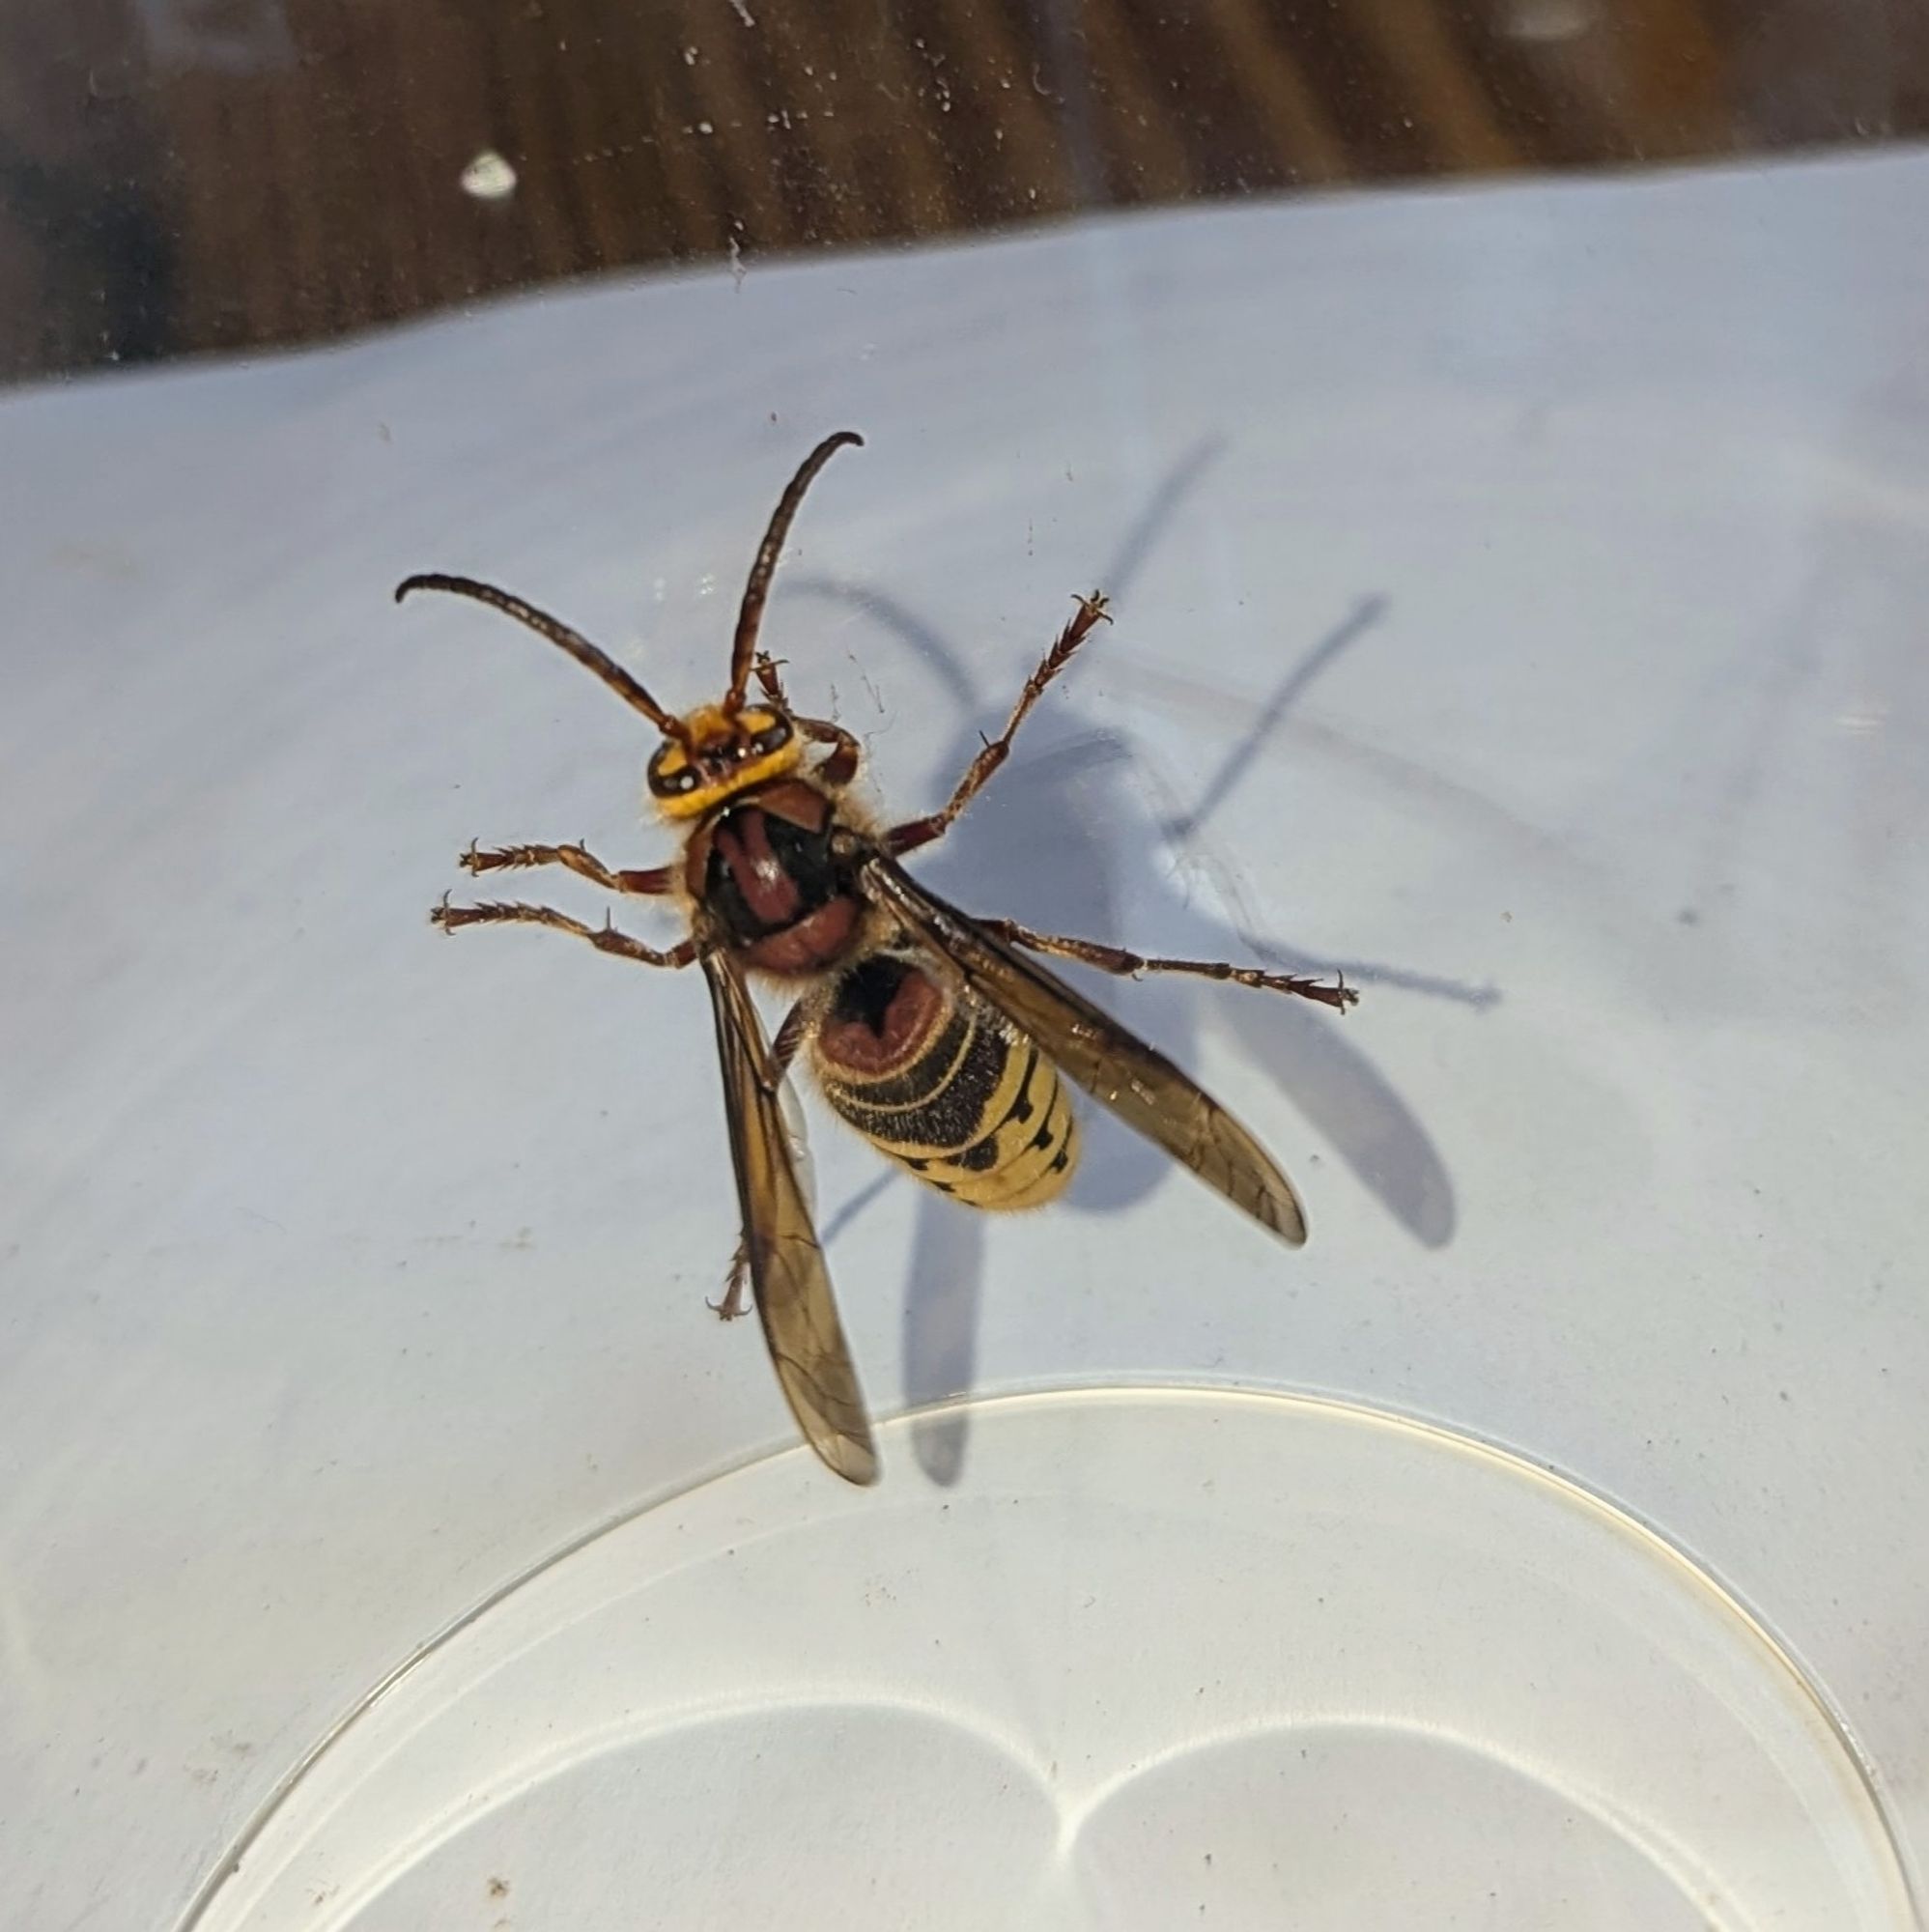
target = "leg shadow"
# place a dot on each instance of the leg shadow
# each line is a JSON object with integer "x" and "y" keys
{"x": 940, "y": 1331}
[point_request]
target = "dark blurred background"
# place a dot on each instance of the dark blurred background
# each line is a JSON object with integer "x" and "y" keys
{"x": 179, "y": 176}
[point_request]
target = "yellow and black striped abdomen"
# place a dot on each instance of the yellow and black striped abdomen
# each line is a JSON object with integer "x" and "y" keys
{"x": 944, "y": 1087}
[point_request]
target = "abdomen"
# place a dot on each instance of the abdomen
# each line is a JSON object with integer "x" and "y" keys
{"x": 943, "y": 1088}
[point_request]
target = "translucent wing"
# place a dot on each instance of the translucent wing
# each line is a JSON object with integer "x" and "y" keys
{"x": 787, "y": 1272}
{"x": 1140, "y": 1085}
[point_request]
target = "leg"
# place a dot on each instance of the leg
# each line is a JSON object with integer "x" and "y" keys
{"x": 789, "y": 1038}
{"x": 650, "y": 883}
{"x": 767, "y": 667}
{"x": 1115, "y": 959}
{"x": 736, "y": 1296}
{"x": 1092, "y": 613}
{"x": 604, "y": 938}
{"x": 736, "y": 1300}
{"x": 842, "y": 766}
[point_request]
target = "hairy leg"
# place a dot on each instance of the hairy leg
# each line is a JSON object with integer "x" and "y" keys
{"x": 907, "y": 838}
{"x": 1115, "y": 959}
{"x": 604, "y": 938}
{"x": 650, "y": 883}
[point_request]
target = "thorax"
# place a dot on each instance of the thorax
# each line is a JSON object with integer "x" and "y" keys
{"x": 764, "y": 873}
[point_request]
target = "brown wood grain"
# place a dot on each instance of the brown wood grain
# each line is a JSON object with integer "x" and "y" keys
{"x": 193, "y": 175}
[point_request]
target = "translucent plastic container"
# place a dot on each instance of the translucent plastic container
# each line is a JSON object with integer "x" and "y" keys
{"x": 1518, "y": 601}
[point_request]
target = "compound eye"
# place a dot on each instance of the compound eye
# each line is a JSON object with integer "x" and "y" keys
{"x": 770, "y": 739}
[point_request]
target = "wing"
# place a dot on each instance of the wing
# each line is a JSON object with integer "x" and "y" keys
{"x": 787, "y": 1272}
{"x": 1141, "y": 1085}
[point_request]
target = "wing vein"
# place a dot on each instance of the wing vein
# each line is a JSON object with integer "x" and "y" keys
{"x": 1135, "y": 1081}
{"x": 789, "y": 1277}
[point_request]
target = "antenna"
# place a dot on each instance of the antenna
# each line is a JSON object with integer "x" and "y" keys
{"x": 749, "y": 617}
{"x": 557, "y": 632}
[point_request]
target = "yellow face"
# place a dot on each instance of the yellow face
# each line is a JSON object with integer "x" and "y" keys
{"x": 723, "y": 755}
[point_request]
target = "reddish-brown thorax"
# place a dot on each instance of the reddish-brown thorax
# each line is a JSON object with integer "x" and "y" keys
{"x": 763, "y": 873}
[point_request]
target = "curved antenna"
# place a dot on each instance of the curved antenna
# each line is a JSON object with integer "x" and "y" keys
{"x": 557, "y": 632}
{"x": 743, "y": 652}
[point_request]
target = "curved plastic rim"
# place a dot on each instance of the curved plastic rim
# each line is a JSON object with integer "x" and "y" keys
{"x": 1460, "y": 1439}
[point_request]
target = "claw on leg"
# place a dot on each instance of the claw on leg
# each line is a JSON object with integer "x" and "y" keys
{"x": 736, "y": 1298}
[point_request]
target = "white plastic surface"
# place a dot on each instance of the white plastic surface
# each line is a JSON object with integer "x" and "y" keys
{"x": 1520, "y": 599}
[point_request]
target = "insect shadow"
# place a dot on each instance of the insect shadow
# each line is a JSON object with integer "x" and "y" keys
{"x": 1074, "y": 779}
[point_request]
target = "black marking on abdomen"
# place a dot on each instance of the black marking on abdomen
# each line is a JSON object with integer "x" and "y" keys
{"x": 978, "y": 1156}
{"x": 981, "y": 1116}
{"x": 936, "y": 1106}
{"x": 918, "y": 1082}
